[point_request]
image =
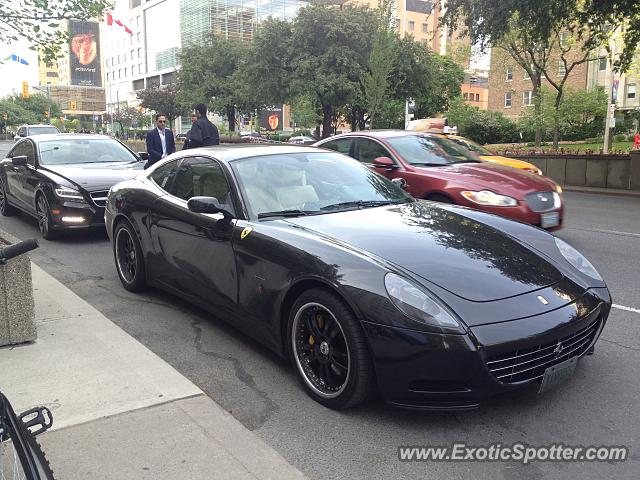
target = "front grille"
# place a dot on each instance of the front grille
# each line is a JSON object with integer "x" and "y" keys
{"x": 530, "y": 363}
{"x": 99, "y": 198}
{"x": 541, "y": 201}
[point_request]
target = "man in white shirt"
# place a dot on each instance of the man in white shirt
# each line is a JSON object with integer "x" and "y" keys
{"x": 160, "y": 141}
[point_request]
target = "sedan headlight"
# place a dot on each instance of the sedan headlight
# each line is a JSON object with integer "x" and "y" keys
{"x": 576, "y": 259}
{"x": 487, "y": 197}
{"x": 66, "y": 193}
{"x": 417, "y": 304}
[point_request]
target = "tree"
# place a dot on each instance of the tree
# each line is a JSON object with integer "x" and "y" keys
{"x": 305, "y": 112}
{"x": 381, "y": 60}
{"x": 332, "y": 48}
{"x": 38, "y": 21}
{"x": 488, "y": 20}
{"x": 161, "y": 99}
{"x": 28, "y": 110}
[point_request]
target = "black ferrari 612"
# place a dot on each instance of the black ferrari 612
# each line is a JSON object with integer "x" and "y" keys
{"x": 367, "y": 290}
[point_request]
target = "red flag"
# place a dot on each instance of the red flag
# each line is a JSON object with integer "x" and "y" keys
{"x": 128, "y": 30}
{"x": 119, "y": 22}
{"x": 109, "y": 19}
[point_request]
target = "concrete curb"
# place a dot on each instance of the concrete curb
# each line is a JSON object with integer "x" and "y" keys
{"x": 602, "y": 191}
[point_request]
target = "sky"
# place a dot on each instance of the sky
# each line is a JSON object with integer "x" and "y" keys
{"x": 12, "y": 73}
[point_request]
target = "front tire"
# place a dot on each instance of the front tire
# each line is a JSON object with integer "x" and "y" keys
{"x": 329, "y": 351}
{"x": 45, "y": 223}
{"x": 5, "y": 209}
{"x": 128, "y": 256}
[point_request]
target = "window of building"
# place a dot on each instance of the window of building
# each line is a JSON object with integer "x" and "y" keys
{"x": 631, "y": 90}
{"x": 602, "y": 65}
{"x": 527, "y": 98}
{"x": 526, "y": 76}
{"x": 477, "y": 97}
{"x": 509, "y": 74}
{"x": 562, "y": 68}
{"x": 107, "y": 63}
{"x": 465, "y": 96}
{"x": 507, "y": 100}
{"x": 425, "y": 28}
{"x": 138, "y": 84}
{"x": 412, "y": 25}
{"x": 564, "y": 39}
{"x": 132, "y": 53}
{"x": 107, "y": 76}
{"x": 139, "y": 53}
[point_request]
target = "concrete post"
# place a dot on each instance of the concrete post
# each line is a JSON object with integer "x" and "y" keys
{"x": 634, "y": 181}
{"x": 16, "y": 298}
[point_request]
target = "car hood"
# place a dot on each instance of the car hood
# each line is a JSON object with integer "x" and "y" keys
{"x": 92, "y": 176}
{"x": 510, "y": 162}
{"x": 494, "y": 177}
{"x": 440, "y": 244}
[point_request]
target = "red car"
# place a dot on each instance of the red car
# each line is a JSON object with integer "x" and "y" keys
{"x": 436, "y": 168}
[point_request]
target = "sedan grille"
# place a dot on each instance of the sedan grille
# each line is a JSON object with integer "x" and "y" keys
{"x": 542, "y": 201}
{"x": 100, "y": 197}
{"x": 530, "y": 363}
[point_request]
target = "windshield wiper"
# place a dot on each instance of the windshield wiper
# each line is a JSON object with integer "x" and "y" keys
{"x": 285, "y": 213}
{"x": 467, "y": 161}
{"x": 361, "y": 204}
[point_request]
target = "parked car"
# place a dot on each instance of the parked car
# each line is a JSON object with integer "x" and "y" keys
{"x": 302, "y": 140}
{"x": 488, "y": 156}
{"x": 29, "y": 130}
{"x": 362, "y": 286}
{"x": 63, "y": 179}
{"x": 433, "y": 171}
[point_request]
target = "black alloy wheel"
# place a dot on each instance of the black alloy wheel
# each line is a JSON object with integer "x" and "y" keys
{"x": 329, "y": 351}
{"x": 128, "y": 256}
{"x": 5, "y": 209}
{"x": 43, "y": 213}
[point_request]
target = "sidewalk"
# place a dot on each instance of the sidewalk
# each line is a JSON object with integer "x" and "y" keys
{"x": 120, "y": 411}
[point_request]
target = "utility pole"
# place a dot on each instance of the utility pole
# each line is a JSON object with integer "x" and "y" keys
{"x": 611, "y": 106}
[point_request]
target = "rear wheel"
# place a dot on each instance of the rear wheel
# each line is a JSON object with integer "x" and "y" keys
{"x": 45, "y": 223}
{"x": 329, "y": 351}
{"x": 5, "y": 209}
{"x": 128, "y": 256}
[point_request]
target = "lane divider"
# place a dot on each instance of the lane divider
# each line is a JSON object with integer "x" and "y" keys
{"x": 628, "y": 309}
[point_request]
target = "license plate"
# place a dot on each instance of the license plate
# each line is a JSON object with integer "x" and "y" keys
{"x": 548, "y": 220}
{"x": 557, "y": 374}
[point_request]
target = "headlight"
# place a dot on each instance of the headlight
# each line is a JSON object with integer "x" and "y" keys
{"x": 576, "y": 259}
{"x": 67, "y": 193}
{"x": 417, "y": 303}
{"x": 487, "y": 197}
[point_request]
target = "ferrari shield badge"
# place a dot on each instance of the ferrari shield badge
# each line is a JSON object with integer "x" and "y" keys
{"x": 245, "y": 232}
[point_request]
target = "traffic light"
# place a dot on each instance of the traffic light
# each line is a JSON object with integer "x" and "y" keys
{"x": 25, "y": 89}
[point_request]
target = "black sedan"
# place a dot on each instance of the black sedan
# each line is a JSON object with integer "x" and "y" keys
{"x": 366, "y": 289}
{"x": 63, "y": 179}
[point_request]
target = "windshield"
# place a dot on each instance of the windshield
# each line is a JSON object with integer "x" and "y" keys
{"x": 421, "y": 150}
{"x": 456, "y": 149}
{"x": 473, "y": 146}
{"x": 42, "y": 130}
{"x": 314, "y": 182}
{"x": 78, "y": 151}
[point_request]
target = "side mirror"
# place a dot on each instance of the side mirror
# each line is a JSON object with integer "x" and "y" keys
{"x": 143, "y": 155}
{"x": 384, "y": 162}
{"x": 207, "y": 205}
{"x": 400, "y": 182}
{"x": 19, "y": 161}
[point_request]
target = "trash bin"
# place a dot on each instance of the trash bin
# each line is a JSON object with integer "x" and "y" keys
{"x": 16, "y": 298}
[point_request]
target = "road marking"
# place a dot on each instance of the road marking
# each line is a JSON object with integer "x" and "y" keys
{"x": 628, "y": 309}
{"x": 610, "y": 232}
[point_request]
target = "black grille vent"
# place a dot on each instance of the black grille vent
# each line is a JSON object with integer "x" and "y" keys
{"x": 99, "y": 198}
{"x": 530, "y": 363}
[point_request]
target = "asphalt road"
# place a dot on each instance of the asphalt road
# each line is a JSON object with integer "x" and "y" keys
{"x": 598, "y": 406}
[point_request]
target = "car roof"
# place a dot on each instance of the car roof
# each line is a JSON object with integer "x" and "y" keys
{"x": 37, "y": 125}
{"x": 228, "y": 153}
{"x": 380, "y": 133}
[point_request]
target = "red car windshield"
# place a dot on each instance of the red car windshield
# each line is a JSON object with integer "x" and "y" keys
{"x": 421, "y": 150}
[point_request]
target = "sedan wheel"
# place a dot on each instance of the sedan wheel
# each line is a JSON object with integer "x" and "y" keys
{"x": 44, "y": 218}
{"x": 6, "y": 209}
{"x": 329, "y": 351}
{"x": 129, "y": 259}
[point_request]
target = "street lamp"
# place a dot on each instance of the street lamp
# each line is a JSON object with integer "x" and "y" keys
{"x": 46, "y": 90}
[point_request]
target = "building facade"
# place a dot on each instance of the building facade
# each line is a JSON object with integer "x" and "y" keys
{"x": 475, "y": 90}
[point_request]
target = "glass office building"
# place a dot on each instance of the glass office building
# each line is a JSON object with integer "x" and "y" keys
{"x": 231, "y": 18}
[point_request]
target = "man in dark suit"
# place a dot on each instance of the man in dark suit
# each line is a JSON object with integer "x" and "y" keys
{"x": 160, "y": 141}
{"x": 203, "y": 132}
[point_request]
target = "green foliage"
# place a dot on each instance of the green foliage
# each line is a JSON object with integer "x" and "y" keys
{"x": 161, "y": 99}
{"x": 481, "y": 126}
{"x": 305, "y": 111}
{"x": 489, "y": 20}
{"x": 30, "y": 110}
{"x": 38, "y": 21}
